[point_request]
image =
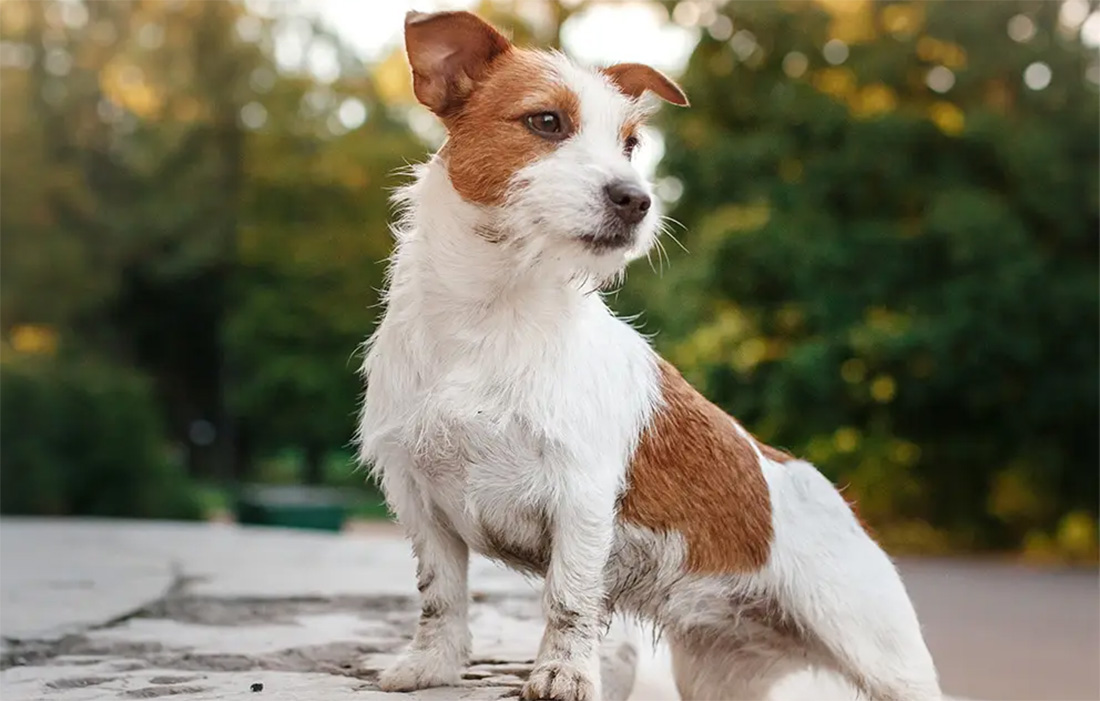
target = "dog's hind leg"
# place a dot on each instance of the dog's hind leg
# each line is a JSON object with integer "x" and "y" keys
{"x": 709, "y": 670}
{"x": 842, "y": 591}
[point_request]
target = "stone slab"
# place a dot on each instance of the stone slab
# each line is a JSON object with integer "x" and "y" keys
{"x": 204, "y": 611}
{"x": 57, "y": 578}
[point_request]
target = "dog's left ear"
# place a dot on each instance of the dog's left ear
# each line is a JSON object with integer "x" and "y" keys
{"x": 634, "y": 79}
{"x": 450, "y": 53}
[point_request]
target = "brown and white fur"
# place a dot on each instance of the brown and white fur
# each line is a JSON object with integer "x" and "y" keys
{"x": 508, "y": 411}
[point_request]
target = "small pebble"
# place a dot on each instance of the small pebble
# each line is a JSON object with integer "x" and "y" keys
{"x": 257, "y": 687}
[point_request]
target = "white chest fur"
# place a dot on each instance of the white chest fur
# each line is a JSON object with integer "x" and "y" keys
{"x": 492, "y": 393}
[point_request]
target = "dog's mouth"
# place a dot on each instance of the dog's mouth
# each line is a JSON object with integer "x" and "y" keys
{"x": 608, "y": 238}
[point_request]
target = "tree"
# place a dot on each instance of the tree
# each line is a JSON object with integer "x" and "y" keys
{"x": 180, "y": 198}
{"x": 132, "y": 175}
{"x": 894, "y": 251}
{"x": 313, "y": 243}
{"x": 315, "y": 237}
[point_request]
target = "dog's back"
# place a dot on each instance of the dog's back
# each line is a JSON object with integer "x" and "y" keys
{"x": 768, "y": 574}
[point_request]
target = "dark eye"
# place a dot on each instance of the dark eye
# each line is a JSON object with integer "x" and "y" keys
{"x": 630, "y": 145}
{"x": 548, "y": 124}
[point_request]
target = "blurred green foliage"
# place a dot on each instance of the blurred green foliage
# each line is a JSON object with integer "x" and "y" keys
{"x": 898, "y": 284}
{"x": 178, "y": 200}
{"x": 892, "y": 268}
{"x": 85, "y": 438}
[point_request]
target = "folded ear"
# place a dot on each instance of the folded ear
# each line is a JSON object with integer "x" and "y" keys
{"x": 635, "y": 78}
{"x": 450, "y": 52}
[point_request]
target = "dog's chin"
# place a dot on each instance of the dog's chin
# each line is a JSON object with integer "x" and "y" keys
{"x": 610, "y": 239}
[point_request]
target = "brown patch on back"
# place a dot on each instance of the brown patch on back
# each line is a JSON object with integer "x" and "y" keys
{"x": 854, "y": 506}
{"x": 782, "y": 457}
{"x": 773, "y": 454}
{"x": 693, "y": 473}
{"x": 488, "y": 140}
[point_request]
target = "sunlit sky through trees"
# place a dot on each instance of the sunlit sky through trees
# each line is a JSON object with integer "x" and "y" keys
{"x": 616, "y": 31}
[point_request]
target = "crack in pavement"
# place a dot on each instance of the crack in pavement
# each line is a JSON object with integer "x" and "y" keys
{"x": 343, "y": 658}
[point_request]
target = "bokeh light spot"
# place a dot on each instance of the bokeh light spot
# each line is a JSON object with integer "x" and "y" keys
{"x": 835, "y": 52}
{"x": 940, "y": 79}
{"x": 253, "y": 115}
{"x": 795, "y": 64}
{"x": 352, "y": 113}
{"x": 1021, "y": 29}
{"x": 1037, "y": 76}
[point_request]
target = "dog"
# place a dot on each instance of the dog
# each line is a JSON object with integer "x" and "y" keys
{"x": 509, "y": 412}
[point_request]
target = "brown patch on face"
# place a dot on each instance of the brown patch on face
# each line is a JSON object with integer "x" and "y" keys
{"x": 488, "y": 140}
{"x": 629, "y": 132}
{"x": 695, "y": 474}
{"x": 629, "y": 129}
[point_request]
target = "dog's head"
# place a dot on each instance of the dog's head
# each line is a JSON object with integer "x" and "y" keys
{"x": 544, "y": 145}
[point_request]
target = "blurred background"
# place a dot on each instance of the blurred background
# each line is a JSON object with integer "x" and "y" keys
{"x": 888, "y": 257}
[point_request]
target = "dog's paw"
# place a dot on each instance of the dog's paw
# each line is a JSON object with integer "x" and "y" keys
{"x": 419, "y": 670}
{"x": 559, "y": 681}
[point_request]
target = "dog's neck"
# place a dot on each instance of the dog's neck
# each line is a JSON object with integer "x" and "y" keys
{"x": 455, "y": 259}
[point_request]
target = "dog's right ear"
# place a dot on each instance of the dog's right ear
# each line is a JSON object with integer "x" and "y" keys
{"x": 450, "y": 52}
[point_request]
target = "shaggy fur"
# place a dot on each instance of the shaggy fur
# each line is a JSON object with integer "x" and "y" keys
{"x": 508, "y": 411}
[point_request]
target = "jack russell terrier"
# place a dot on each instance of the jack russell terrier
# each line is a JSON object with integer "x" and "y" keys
{"x": 508, "y": 411}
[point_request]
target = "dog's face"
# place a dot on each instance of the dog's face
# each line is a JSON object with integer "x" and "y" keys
{"x": 541, "y": 143}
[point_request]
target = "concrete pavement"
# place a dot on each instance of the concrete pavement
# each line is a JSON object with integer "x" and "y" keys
{"x": 1007, "y": 632}
{"x": 110, "y": 610}
{"x": 998, "y": 631}
{"x": 130, "y": 610}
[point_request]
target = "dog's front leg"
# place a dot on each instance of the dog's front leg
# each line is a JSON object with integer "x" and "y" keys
{"x": 567, "y": 667}
{"x": 441, "y": 645}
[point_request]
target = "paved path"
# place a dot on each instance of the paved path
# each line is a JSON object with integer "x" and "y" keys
{"x": 998, "y": 632}
{"x": 110, "y": 610}
{"x": 102, "y": 610}
{"x": 1006, "y": 632}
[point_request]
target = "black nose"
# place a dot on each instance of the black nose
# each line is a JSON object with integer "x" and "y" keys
{"x": 628, "y": 201}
